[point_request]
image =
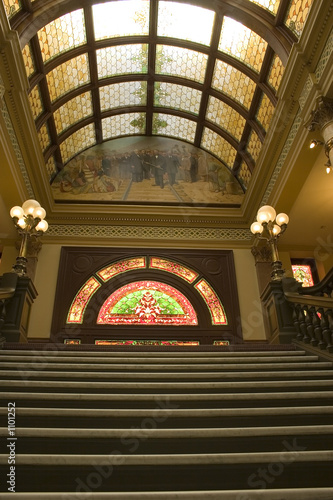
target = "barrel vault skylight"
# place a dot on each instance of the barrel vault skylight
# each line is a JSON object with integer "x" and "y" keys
{"x": 206, "y": 73}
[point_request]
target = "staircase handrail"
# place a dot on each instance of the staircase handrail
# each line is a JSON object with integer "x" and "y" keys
{"x": 324, "y": 287}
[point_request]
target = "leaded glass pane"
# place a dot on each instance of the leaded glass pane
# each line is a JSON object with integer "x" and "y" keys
{"x": 175, "y": 96}
{"x": 68, "y": 76}
{"x": 225, "y": 117}
{"x": 73, "y": 111}
{"x": 244, "y": 174}
{"x": 254, "y": 145}
{"x": 271, "y": 5}
{"x": 234, "y": 83}
{"x": 151, "y": 342}
{"x": 297, "y": 15}
{"x": 180, "y": 20}
{"x": 276, "y": 72}
{"x": 123, "y": 94}
{"x": 122, "y": 60}
{"x": 12, "y": 6}
{"x": 62, "y": 34}
{"x": 217, "y": 145}
{"x": 265, "y": 112}
{"x": 80, "y": 140}
{"x": 126, "y": 18}
{"x": 173, "y": 267}
{"x": 303, "y": 274}
{"x": 28, "y": 60}
{"x": 125, "y": 124}
{"x": 51, "y": 167}
{"x": 36, "y": 102}
{"x": 44, "y": 137}
{"x": 213, "y": 302}
{"x": 80, "y": 302}
{"x": 177, "y": 61}
{"x": 121, "y": 267}
{"x": 174, "y": 126}
{"x": 149, "y": 303}
{"x": 239, "y": 41}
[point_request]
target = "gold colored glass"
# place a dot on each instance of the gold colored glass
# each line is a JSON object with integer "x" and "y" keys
{"x": 218, "y": 146}
{"x": 68, "y": 76}
{"x": 73, "y": 111}
{"x": 174, "y": 126}
{"x": 123, "y": 94}
{"x": 175, "y": 96}
{"x": 225, "y": 117}
{"x": 78, "y": 141}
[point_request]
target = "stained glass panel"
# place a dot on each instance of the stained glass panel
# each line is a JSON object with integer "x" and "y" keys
{"x": 265, "y": 111}
{"x": 12, "y": 6}
{"x": 234, "y": 83}
{"x": 82, "y": 139}
{"x": 221, "y": 148}
{"x": 68, "y": 76}
{"x": 44, "y": 137}
{"x": 225, "y": 117}
{"x": 126, "y": 18}
{"x": 73, "y": 111}
{"x": 174, "y": 126}
{"x": 176, "y": 96}
{"x": 213, "y": 302}
{"x": 303, "y": 274}
{"x": 172, "y": 18}
{"x": 148, "y": 303}
{"x": 242, "y": 43}
{"x": 62, "y": 34}
{"x": 254, "y": 145}
{"x": 221, "y": 342}
{"x": 276, "y": 73}
{"x": 271, "y": 5}
{"x": 123, "y": 94}
{"x": 80, "y": 302}
{"x": 72, "y": 341}
{"x": 121, "y": 267}
{"x": 36, "y": 102}
{"x": 244, "y": 174}
{"x": 148, "y": 342}
{"x": 51, "y": 167}
{"x": 125, "y": 124}
{"x": 297, "y": 15}
{"x": 173, "y": 267}
{"x": 28, "y": 60}
{"x": 177, "y": 61}
{"x": 122, "y": 60}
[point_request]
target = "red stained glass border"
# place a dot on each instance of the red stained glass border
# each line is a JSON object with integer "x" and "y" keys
{"x": 213, "y": 302}
{"x": 174, "y": 268}
{"x": 122, "y": 266}
{"x": 79, "y": 304}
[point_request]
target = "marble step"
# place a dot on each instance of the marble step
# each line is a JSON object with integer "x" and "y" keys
{"x": 246, "y": 494}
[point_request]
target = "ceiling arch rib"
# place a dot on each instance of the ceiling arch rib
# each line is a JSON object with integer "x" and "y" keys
{"x": 217, "y": 91}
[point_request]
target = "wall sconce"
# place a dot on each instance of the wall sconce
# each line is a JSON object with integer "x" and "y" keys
{"x": 314, "y": 143}
{"x": 322, "y": 120}
{"x": 269, "y": 227}
{"x": 29, "y": 222}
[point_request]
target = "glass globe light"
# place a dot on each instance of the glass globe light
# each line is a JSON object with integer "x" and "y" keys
{"x": 256, "y": 228}
{"x": 42, "y": 226}
{"x": 276, "y": 230}
{"x": 16, "y": 212}
{"x": 282, "y": 219}
{"x": 39, "y": 212}
{"x": 29, "y": 206}
{"x": 266, "y": 214}
{"x": 21, "y": 222}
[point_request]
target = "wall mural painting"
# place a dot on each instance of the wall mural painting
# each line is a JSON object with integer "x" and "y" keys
{"x": 148, "y": 303}
{"x": 147, "y": 170}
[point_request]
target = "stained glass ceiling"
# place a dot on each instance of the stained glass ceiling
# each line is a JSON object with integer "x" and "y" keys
{"x": 207, "y": 73}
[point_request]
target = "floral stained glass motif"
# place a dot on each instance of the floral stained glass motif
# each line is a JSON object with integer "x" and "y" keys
{"x": 174, "y": 268}
{"x": 148, "y": 342}
{"x": 147, "y": 303}
{"x": 303, "y": 274}
{"x": 121, "y": 267}
{"x": 213, "y": 302}
{"x": 221, "y": 342}
{"x": 72, "y": 341}
{"x": 81, "y": 300}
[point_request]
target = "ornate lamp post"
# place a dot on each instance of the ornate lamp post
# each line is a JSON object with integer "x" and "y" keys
{"x": 269, "y": 227}
{"x": 30, "y": 223}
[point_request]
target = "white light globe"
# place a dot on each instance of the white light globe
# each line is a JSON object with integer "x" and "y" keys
{"x": 282, "y": 219}
{"x": 42, "y": 226}
{"x": 266, "y": 214}
{"x": 17, "y": 212}
{"x": 256, "y": 228}
{"x": 276, "y": 230}
{"x": 21, "y": 222}
{"x": 29, "y": 206}
{"x": 39, "y": 212}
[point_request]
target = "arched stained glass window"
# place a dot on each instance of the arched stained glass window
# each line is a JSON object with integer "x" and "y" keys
{"x": 213, "y": 302}
{"x": 148, "y": 303}
{"x": 79, "y": 304}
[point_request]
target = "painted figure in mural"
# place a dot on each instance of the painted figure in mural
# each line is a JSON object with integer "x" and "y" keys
{"x": 147, "y": 160}
{"x": 136, "y": 166}
{"x": 159, "y": 169}
{"x": 172, "y": 164}
{"x": 194, "y": 167}
{"x": 218, "y": 177}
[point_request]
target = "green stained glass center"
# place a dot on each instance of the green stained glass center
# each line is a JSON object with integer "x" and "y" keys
{"x": 165, "y": 303}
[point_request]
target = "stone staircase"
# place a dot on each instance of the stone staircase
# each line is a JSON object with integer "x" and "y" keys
{"x": 164, "y": 425}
